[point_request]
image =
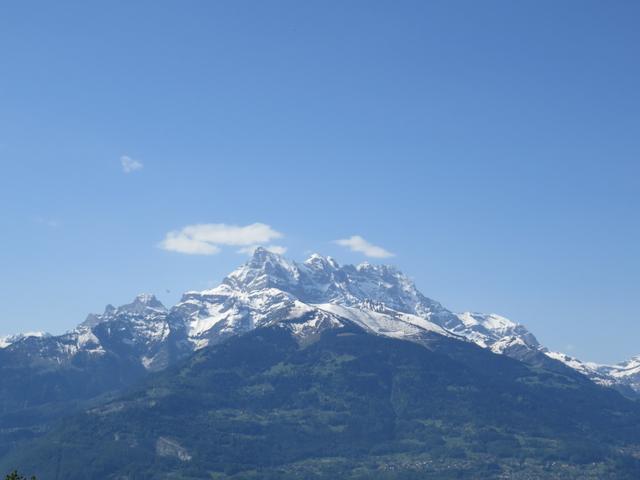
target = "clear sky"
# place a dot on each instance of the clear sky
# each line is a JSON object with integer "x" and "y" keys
{"x": 492, "y": 146}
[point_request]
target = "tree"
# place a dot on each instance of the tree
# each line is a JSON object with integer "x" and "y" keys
{"x": 16, "y": 476}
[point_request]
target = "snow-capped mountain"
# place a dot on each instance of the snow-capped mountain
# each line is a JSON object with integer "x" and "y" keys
{"x": 624, "y": 374}
{"x": 141, "y": 330}
{"x": 145, "y": 307}
{"x": 309, "y": 297}
{"x": 377, "y": 297}
{"x": 305, "y": 298}
{"x": 143, "y": 323}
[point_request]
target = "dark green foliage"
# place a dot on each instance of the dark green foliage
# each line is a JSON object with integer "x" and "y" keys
{"x": 16, "y": 476}
{"x": 35, "y": 390}
{"x": 350, "y": 405}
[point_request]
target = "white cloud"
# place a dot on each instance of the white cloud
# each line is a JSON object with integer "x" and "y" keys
{"x": 129, "y": 164}
{"x": 279, "y": 249}
{"x": 205, "y": 239}
{"x": 358, "y": 244}
{"x": 175, "y": 242}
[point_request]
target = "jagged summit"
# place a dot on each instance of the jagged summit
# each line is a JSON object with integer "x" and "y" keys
{"x": 321, "y": 279}
{"x": 319, "y": 262}
{"x": 144, "y": 303}
{"x": 265, "y": 269}
{"x": 320, "y": 293}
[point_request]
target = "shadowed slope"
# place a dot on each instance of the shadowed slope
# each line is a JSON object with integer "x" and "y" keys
{"x": 351, "y": 401}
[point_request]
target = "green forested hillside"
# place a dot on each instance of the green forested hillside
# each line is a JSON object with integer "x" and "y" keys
{"x": 351, "y": 405}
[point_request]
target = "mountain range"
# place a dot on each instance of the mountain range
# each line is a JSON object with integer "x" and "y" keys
{"x": 351, "y": 366}
{"x": 307, "y": 298}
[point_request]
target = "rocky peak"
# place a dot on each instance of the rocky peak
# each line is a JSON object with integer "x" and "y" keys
{"x": 318, "y": 262}
{"x": 321, "y": 279}
{"x": 143, "y": 302}
{"x": 265, "y": 269}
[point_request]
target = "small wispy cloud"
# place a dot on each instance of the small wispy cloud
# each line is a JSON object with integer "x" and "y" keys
{"x": 48, "y": 222}
{"x": 207, "y": 238}
{"x": 279, "y": 249}
{"x": 130, "y": 164}
{"x": 358, "y": 244}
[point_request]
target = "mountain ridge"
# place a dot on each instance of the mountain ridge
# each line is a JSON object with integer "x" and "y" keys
{"x": 268, "y": 285}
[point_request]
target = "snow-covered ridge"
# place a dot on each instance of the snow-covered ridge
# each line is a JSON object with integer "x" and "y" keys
{"x": 145, "y": 304}
{"x": 305, "y": 298}
{"x": 140, "y": 328}
{"x": 625, "y": 373}
{"x": 488, "y": 329}
{"x": 10, "y": 339}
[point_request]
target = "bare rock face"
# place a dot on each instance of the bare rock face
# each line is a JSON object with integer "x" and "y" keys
{"x": 165, "y": 447}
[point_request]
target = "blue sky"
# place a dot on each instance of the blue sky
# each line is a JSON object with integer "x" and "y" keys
{"x": 493, "y": 147}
